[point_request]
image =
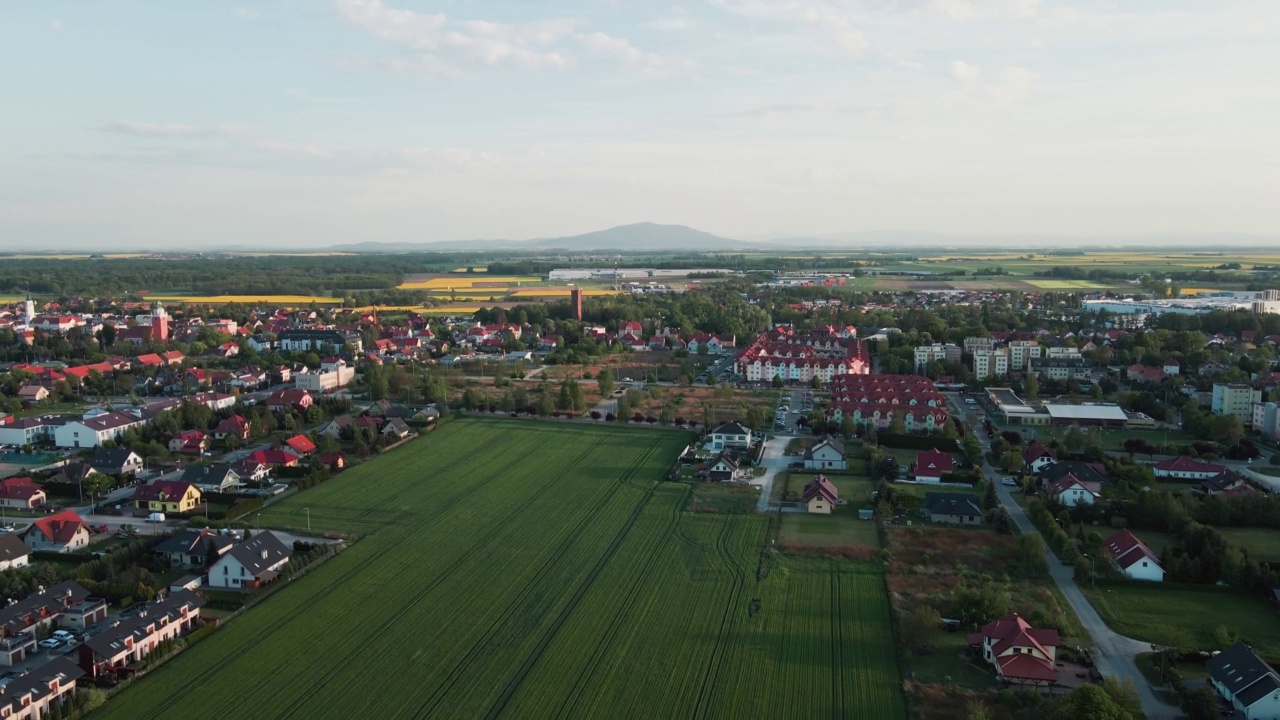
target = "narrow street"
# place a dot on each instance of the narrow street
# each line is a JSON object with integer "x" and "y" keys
{"x": 773, "y": 461}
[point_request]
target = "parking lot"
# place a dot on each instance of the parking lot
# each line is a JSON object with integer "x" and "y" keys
{"x": 792, "y": 405}
{"x": 719, "y": 371}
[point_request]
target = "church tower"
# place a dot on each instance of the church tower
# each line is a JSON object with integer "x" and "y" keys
{"x": 29, "y": 310}
{"x": 159, "y": 324}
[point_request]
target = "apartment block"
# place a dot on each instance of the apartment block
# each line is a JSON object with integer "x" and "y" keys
{"x": 1235, "y": 399}
{"x": 990, "y": 363}
{"x": 1021, "y": 352}
{"x": 974, "y": 344}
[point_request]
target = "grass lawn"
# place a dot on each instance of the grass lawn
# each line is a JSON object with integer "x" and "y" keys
{"x": 856, "y": 489}
{"x": 1267, "y": 470}
{"x": 1114, "y": 439}
{"x": 949, "y": 664}
{"x": 919, "y": 489}
{"x": 72, "y": 408}
{"x": 840, "y": 528}
{"x": 1263, "y": 544}
{"x": 1144, "y": 610}
{"x": 723, "y": 498}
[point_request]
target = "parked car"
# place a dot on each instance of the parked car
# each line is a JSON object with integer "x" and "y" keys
{"x": 64, "y": 636}
{"x": 155, "y": 517}
{"x": 1009, "y": 481}
{"x": 51, "y": 643}
{"x": 796, "y": 465}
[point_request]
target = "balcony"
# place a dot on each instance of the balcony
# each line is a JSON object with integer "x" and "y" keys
{"x": 17, "y": 642}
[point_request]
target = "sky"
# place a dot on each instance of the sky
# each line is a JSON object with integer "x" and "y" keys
{"x": 291, "y": 124}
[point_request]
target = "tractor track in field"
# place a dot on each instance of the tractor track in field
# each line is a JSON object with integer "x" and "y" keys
{"x": 837, "y": 648}
{"x": 371, "y": 636}
{"x": 514, "y": 683}
{"x": 338, "y": 583}
{"x": 615, "y": 625}
{"x": 464, "y": 663}
{"x": 727, "y": 621}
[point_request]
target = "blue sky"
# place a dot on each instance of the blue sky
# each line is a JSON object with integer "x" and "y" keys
{"x": 303, "y": 124}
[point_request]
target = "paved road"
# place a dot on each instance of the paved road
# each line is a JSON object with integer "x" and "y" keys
{"x": 1115, "y": 652}
{"x": 773, "y": 461}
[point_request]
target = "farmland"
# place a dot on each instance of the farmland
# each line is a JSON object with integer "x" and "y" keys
{"x": 522, "y": 569}
{"x": 1146, "y": 611}
{"x": 244, "y": 299}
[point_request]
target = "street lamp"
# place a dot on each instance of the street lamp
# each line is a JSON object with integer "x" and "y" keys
{"x": 1093, "y": 567}
{"x": 1112, "y": 602}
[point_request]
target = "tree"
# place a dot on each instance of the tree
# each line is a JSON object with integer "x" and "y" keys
{"x": 604, "y": 381}
{"x": 897, "y": 425}
{"x": 1091, "y": 701}
{"x": 1031, "y": 387}
{"x": 921, "y": 626}
{"x": 776, "y": 381}
{"x": 1201, "y": 704}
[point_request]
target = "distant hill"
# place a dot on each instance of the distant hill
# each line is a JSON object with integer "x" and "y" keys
{"x": 641, "y": 236}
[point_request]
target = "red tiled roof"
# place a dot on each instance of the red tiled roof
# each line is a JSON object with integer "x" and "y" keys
{"x": 1128, "y": 550}
{"x": 161, "y": 490}
{"x": 820, "y": 485}
{"x": 933, "y": 463}
{"x": 1026, "y": 667}
{"x": 61, "y": 527}
{"x": 1182, "y": 463}
{"x": 301, "y": 444}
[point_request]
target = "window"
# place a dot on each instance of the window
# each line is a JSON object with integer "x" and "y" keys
{"x": 1144, "y": 563}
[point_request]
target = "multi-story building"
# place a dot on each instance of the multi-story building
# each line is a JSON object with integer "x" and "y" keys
{"x": 936, "y": 352}
{"x": 877, "y": 400}
{"x": 974, "y": 344}
{"x": 132, "y": 639}
{"x": 990, "y": 363}
{"x": 1235, "y": 399}
{"x": 333, "y": 373}
{"x": 784, "y": 354}
{"x": 1021, "y": 352}
{"x": 1061, "y": 368}
{"x": 1266, "y": 419}
{"x": 1062, "y": 352}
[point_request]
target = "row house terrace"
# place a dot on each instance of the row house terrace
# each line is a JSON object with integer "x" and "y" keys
{"x": 36, "y": 693}
{"x": 119, "y": 647}
{"x": 67, "y": 604}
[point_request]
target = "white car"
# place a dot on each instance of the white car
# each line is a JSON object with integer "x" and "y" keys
{"x": 1009, "y": 481}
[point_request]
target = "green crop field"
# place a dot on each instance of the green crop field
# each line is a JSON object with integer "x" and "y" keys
{"x": 520, "y": 569}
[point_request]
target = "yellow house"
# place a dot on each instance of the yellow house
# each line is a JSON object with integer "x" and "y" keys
{"x": 167, "y": 496}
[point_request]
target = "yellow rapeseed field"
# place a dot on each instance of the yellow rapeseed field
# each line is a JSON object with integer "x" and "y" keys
{"x": 559, "y": 292}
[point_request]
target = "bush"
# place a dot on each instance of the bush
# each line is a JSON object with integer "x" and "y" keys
{"x": 1275, "y": 459}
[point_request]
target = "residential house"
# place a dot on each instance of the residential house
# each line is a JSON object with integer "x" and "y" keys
{"x": 1020, "y": 653}
{"x": 189, "y": 442}
{"x": 64, "y": 532}
{"x": 296, "y": 400}
{"x": 334, "y": 428}
{"x": 67, "y": 603}
{"x": 1072, "y": 491}
{"x": 32, "y": 394}
{"x": 1247, "y": 682}
{"x": 1185, "y": 468}
{"x": 40, "y": 692}
{"x": 117, "y": 461}
{"x": 723, "y": 469}
{"x": 193, "y": 548}
{"x": 234, "y": 427}
{"x": 826, "y": 454}
{"x": 1139, "y": 373}
{"x": 132, "y": 639}
{"x": 1171, "y": 367}
{"x": 250, "y": 564}
{"x": 93, "y": 432}
{"x": 1229, "y": 483}
{"x": 13, "y": 552}
{"x": 952, "y": 508}
{"x": 21, "y": 493}
{"x": 218, "y": 477}
{"x": 1035, "y": 457}
{"x": 396, "y": 428}
{"x": 301, "y": 445}
{"x": 251, "y": 471}
{"x": 333, "y": 461}
{"x": 1088, "y": 473}
{"x": 820, "y": 496}
{"x": 169, "y": 496}
{"x": 931, "y": 465}
{"x": 730, "y": 435}
{"x": 1133, "y": 557}
{"x": 279, "y": 457}
{"x": 316, "y": 340}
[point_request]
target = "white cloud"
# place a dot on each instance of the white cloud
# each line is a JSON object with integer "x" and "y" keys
{"x": 56, "y": 25}
{"x": 827, "y": 18}
{"x": 621, "y": 50}
{"x": 678, "y": 20}
{"x": 157, "y": 130}
{"x": 246, "y": 13}
{"x": 437, "y": 43}
{"x": 965, "y": 73}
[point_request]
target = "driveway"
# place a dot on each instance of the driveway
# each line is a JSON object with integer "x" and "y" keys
{"x": 1115, "y": 652}
{"x": 773, "y": 461}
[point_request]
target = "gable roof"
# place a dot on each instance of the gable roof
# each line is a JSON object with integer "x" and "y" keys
{"x": 215, "y": 474}
{"x": 32, "y": 687}
{"x": 19, "y": 488}
{"x": 59, "y": 528}
{"x": 260, "y": 552}
{"x": 933, "y": 461}
{"x": 1084, "y": 472}
{"x": 11, "y": 548}
{"x": 827, "y": 441}
{"x": 113, "y": 457}
{"x": 163, "y": 490}
{"x": 1128, "y": 550}
{"x": 301, "y": 444}
{"x": 194, "y": 542}
{"x": 821, "y": 486}
{"x": 731, "y": 428}
{"x": 1068, "y": 481}
{"x": 1182, "y": 463}
{"x": 112, "y": 641}
{"x": 946, "y": 503}
{"x": 1034, "y": 451}
{"x": 15, "y": 616}
{"x": 1245, "y": 675}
